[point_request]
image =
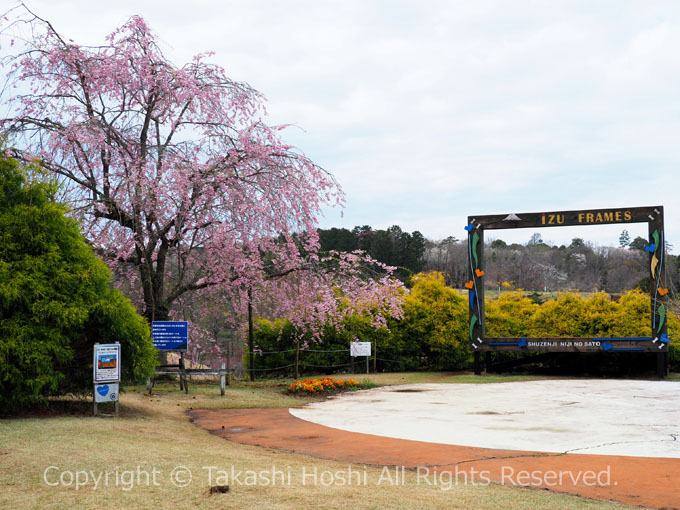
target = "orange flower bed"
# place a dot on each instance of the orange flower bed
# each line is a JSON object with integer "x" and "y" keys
{"x": 321, "y": 385}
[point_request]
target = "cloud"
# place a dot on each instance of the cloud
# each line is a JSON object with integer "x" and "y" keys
{"x": 429, "y": 111}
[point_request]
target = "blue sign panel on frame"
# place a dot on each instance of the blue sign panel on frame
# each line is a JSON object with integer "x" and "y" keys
{"x": 170, "y": 335}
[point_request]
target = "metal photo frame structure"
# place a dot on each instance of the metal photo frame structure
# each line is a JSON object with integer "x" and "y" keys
{"x": 657, "y": 342}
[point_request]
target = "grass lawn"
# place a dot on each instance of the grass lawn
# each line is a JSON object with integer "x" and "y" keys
{"x": 153, "y": 433}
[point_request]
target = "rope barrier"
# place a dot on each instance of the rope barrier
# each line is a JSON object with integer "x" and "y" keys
{"x": 301, "y": 351}
{"x": 316, "y": 350}
{"x": 326, "y": 366}
{"x": 391, "y": 360}
{"x": 308, "y": 365}
{"x": 265, "y": 369}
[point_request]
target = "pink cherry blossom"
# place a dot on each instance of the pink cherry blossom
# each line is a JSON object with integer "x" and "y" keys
{"x": 181, "y": 186}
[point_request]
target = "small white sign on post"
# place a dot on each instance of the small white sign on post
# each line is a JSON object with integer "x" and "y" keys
{"x": 359, "y": 349}
{"x": 106, "y": 392}
{"x": 106, "y": 374}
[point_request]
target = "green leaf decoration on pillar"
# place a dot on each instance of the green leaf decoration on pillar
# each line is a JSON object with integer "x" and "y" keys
{"x": 473, "y": 321}
{"x": 662, "y": 318}
{"x": 655, "y": 236}
{"x": 475, "y": 241}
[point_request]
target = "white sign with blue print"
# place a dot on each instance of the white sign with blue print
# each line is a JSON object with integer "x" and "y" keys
{"x": 106, "y": 392}
{"x": 106, "y": 375}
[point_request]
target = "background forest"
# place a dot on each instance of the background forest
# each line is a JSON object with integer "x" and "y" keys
{"x": 580, "y": 266}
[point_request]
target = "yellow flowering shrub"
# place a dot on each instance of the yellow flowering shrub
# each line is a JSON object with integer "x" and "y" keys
{"x": 573, "y": 315}
{"x": 509, "y": 315}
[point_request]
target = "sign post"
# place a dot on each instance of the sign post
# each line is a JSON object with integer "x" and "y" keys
{"x": 106, "y": 375}
{"x": 360, "y": 349}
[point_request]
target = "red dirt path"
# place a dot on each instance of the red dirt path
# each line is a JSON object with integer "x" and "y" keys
{"x": 644, "y": 481}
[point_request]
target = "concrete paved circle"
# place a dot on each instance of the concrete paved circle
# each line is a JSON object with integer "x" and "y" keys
{"x": 605, "y": 417}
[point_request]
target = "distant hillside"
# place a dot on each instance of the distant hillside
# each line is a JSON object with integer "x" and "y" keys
{"x": 533, "y": 266}
{"x": 536, "y": 266}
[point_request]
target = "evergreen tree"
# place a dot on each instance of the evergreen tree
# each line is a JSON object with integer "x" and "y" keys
{"x": 55, "y": 300}
{"x": 624, "y": 239}
{"x": 639, "y": 243}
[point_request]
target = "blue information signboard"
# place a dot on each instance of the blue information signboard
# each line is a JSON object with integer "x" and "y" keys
{"x": 170, "y": 335}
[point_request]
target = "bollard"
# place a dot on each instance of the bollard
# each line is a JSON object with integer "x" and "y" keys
{"x": 223, "y": 379}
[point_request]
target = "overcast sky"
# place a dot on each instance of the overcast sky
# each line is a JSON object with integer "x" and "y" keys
{"x": 429, "y": 111}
